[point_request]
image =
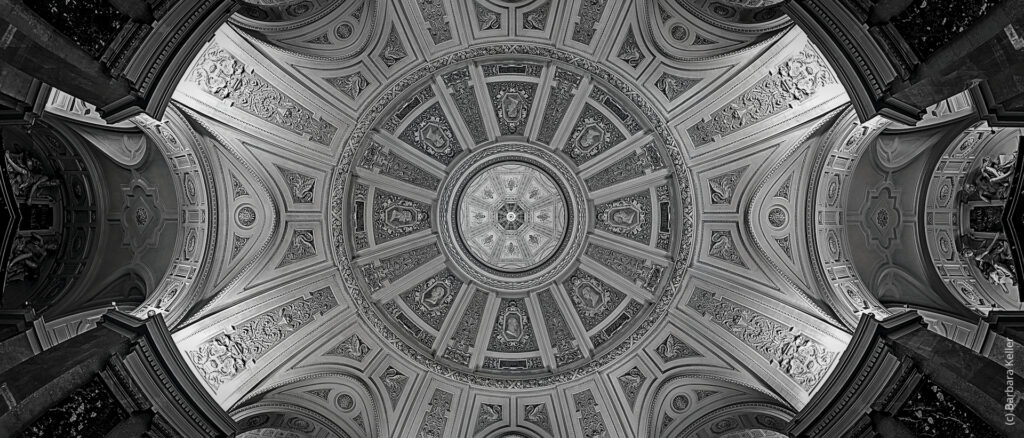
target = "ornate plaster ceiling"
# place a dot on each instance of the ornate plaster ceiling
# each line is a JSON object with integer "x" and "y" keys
{"x": 544, "y": 208}
{"x": 491, "y": 217}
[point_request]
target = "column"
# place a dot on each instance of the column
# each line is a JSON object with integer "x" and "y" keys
{"x": 126, "y": 374}
{"x": 17, "y": 337}
{"x": 898, "y": 379}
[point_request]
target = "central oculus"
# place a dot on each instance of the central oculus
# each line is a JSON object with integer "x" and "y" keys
{"x": 512, "y": 216}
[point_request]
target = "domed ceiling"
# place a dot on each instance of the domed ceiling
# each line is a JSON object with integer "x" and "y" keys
{"x": 577, "y": 218}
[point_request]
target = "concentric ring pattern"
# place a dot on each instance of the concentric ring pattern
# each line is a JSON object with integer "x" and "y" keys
{"x": 516, "y": 233}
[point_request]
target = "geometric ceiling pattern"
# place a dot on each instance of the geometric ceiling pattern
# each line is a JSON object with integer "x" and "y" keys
{"x": 485, "y": 218}
{"x": 611, "y": 218}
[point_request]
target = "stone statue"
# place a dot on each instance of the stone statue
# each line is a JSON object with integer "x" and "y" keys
{"x": 27, "y": 254}
{"x": 25, "y": 173}
{"x": 995, "y": 261}
{"x": 991, "y": 181}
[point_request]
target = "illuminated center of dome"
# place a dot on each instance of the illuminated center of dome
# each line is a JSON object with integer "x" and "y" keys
{"x": 512, "y": 216}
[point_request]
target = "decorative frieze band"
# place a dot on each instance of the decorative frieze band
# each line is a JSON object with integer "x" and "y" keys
{"x": 803, "y": 359}
{"x": 220, "y": 359}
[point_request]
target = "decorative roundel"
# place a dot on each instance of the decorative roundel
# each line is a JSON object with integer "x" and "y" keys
{"x": 777, "y": 217}
{"x": 246, "y": 216}
{"x": 680, "y": 403}
{"x": 343, "y": 31}
{"x": 521, "y": 240}
{"x": 345, "y": 402}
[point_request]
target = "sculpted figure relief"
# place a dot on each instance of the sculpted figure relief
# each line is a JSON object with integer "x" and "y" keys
{"x": 25, "y": 174}
{"x": 27, "y": 254}
{"x": 994, "y": 260}
{"x": 992, "y": 180}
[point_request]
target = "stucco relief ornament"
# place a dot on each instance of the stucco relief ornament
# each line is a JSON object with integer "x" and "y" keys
{"x": 513, "y": 326}
{"x": 302, "y": 247}
{"x": 673, "y": 349}
{"x": 351, "y": 85}
{"x": 591, "y": 298}
{"x": 631, "y": 383}
{"x": 228, "y": 354}
{"x": 352, "y": 348}
{"x": 301, "y": 186}
{"x": 219, "y": 73}
{"x": 803, "y": 359}
{"x": 511, "y": 104}
{"x": 397, "y": 216}
{"x": 219, "y": 360}
{"x": 394, "y": 382}
{"x": 586, "y": 141}
{"x": 224, "y": 76}
{"x": 488, "y": 415}
{"x": 806, "y": 361}
{"x": 624, "y": 216}
{"x": 674, "y": 86}
{"x": 803, "y": 75}
{"x": 795, "y": 80}
{"x": 435, "y": 297}
{"x": 433, "y": 136}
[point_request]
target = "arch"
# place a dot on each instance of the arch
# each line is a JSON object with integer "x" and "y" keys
{"x": 349, "y": 403}
{"x": 683, "y": 399}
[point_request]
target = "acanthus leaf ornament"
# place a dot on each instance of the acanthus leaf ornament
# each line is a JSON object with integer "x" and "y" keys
{"x": 797, "y": 79}
{"x": 225, "y": 77}
{"x": 223, "y": 357}
{"x": 803, "y": 359}
{"x": 620, "y": 109}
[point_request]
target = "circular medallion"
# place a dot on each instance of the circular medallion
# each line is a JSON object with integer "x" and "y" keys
{"x": 246, "y": 216}
{"x": 512, "y": 217}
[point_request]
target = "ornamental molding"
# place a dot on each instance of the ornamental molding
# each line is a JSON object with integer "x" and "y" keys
{"x": 795, "y": 80}
{"x": 225, "y": 77}
{"x": 667, "y": 383}
{"x": 187, "y": 114}
{"x": 846, "y": 138}
{"x": 803, "y": 359}
{"x": 220, "y": 359}
{"x": 374, "y": 404}
{"x": 832, "y": 121}
{"x": 175, "y": 295}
